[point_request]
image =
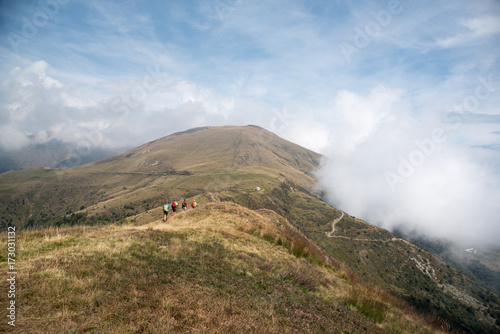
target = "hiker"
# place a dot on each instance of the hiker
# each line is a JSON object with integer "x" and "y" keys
{"x": 174, "y": 207}
{"x": 194, "y": 204}
{"x": 166, "y": 207}
{"x": 184, "y": 204}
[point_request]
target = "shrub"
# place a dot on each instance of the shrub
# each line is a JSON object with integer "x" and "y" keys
{"x": 304, "y": 275}
{"x": 298, "y": 249}
{"x": 268, "y": 237}
{"x": 367, "y": 305}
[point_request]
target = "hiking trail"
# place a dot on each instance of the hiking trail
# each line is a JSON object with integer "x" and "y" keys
{"x": 331, "y": 233}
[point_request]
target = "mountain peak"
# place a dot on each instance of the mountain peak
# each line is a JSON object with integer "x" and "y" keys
{"x": 212, "y": 149}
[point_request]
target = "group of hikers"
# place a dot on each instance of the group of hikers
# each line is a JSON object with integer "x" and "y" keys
{"x": 174, "y": 205}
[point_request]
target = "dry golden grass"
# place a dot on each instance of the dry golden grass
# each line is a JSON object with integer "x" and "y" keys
{"x": 220, "y": 268}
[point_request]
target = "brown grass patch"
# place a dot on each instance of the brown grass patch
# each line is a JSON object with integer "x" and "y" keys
{"x": 217, "y": 269}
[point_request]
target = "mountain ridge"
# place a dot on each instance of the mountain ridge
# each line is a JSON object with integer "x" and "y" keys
{"x": 225, "y": 164}
{"x": 217, "y": 268}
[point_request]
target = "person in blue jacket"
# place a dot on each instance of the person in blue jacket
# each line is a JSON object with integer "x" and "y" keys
{"x": 166, "y": 207}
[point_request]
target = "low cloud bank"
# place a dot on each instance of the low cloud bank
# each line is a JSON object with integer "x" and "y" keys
{"x": 393, "y": 168}
{"x": 88, "y": 117}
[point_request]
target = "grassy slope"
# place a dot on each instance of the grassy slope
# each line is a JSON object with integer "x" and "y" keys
{"x": 220, "y": 268}
{"x": 179, "y": 165}
{"x": 379, "y": 258}
{"x": 227, "y": 163}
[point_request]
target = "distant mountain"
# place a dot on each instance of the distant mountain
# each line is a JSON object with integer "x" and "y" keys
{"x": 53, "y": 154}
{"x": 7, "y": 163}
{"x": 226, "y": 164}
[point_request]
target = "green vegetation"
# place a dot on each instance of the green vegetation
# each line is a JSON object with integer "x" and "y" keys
{"x": 370, "y": 307}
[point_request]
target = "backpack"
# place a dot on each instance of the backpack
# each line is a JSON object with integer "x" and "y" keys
{"x": 174, "y": 204}
{"x": 166, "y": 207}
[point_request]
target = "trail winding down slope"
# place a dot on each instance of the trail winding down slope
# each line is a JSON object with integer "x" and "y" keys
{"x": 331, "y": 233}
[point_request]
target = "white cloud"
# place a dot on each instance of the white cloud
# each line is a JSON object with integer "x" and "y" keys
{"x": 301, "y": 125}
{"x": 483, "y": 26}
{"x": 308, "y": 133}
{"x": 356, "y": 117}
{"x": 12, "y": 138}
{"x": 477, "y": 28}
{"x": 401, "y": 168}
{"x": 43, "y": 108}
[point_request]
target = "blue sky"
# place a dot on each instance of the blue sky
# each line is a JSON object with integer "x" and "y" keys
{"x": 360, "y": 82}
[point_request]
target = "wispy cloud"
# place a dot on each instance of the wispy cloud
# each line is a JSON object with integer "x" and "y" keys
{"x": 477, "y": 29}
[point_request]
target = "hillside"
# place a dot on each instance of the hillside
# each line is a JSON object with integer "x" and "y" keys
{"x": 224, "y": 165}
{"x": 220, "y": 268}
{"x": 180, "y": 165}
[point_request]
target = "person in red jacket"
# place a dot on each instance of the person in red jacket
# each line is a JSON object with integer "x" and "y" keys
{"x": 174, "y": 207}
{"x": 184, "y": 204}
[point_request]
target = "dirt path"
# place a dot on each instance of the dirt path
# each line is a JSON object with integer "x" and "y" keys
{"x": 331, "y": 234}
